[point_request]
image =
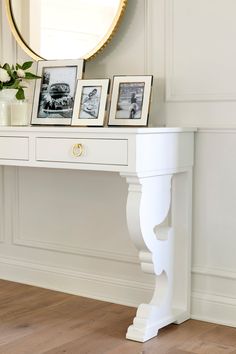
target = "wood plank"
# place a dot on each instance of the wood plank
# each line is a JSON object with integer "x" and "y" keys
{"x": 199, "y": 347}
{"x": 41, "y": 321}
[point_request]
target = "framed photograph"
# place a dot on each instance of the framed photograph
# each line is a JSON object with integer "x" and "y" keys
{"x": 54, "y": 94}
{"x": 90, "y": 102}
{"x": 130, "y": 100}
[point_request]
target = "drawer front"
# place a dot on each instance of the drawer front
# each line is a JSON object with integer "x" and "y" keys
{"x": 14, "y": 148}
{"x": 88, "y": 151}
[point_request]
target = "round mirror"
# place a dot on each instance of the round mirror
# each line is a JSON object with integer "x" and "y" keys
{"x": 63, "y": 29}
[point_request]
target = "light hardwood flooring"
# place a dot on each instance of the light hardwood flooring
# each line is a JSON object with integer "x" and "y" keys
{"x": 37, "y": 321}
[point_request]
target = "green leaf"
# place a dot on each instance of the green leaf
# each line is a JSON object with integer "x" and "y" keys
{"x": 31, "y": 76}
{"x": 27, "y": 65}
{"x": 10, "y": 83}
{"x": 18, "y": 66}
{"x": 6, "y": 67}
{"x": 14, "y": 75}
{"x": 15, "y": 84}
{"x": 20, "y": 95}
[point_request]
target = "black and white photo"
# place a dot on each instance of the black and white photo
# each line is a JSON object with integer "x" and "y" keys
{"x": 55, "y": 95}
{"x": 130, "y": 100}
{"x": 90, "y": 102}
{"x": 57, "y": 92}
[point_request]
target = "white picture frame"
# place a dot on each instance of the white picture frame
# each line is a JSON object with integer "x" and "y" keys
{"x": 130, "y": 100}
{"x": 54, "y": 93}
{"x": 90, "y": 102}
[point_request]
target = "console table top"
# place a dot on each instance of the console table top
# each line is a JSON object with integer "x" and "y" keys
{"x": 105, "y": 130}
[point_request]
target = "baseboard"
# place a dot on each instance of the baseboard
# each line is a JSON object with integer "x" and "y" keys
{"x": 214, "y": 308}
{"x": 205, "y": 307}
{"x": 119, "y": 291}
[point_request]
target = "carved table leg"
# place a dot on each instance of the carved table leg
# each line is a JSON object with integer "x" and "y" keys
{"x": 149, "y": 215}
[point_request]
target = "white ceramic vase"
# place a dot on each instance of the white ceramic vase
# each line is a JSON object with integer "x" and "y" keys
{"x": 7, "y": 96}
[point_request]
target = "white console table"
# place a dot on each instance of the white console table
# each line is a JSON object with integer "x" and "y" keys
{"x": 157, "y": 165}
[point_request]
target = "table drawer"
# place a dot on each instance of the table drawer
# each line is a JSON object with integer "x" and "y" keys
{"x": 14, "y": 148}
{"x": 90, "y": 151}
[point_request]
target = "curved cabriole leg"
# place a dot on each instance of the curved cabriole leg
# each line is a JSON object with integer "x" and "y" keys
{"x": 148, "y": 206}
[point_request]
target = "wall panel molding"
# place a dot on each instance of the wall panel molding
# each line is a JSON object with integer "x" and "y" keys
{"x": 1, "y": 29}
{"x": 120, "y": 291}
{"x": 148, "y": 8}
{"x": 173, "y": 80}
{"x": 8, "y": 44}
{"x": 2, "y": 214}
{"x": 154, "y": 57}
{"x": 213, "y": 308}
{"x": 215, "y": 272}
{"x": 20, "y": 240}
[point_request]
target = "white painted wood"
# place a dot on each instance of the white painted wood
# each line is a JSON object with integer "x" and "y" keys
{"x": 156, "y": 256}
{"x": 93, "y": 151}
{"x": 203, "y": 75}
{"x": 174, "y": 145}
{"x": 14, "y": 148}
{"x": 125, "y": 145}
{"x": 148, "y": 204}
{"x": 159, "y": 234}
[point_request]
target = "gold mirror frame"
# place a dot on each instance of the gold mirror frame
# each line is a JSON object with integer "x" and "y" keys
{"x": 90, "y": 55}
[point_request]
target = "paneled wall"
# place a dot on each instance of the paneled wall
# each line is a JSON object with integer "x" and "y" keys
{"x": 200, "y": 75}
{"x": 48, "y": 240}
{"x": 189, "y": 46}
{"x": 214, "y": 227}
{"x": 200, "y": 62}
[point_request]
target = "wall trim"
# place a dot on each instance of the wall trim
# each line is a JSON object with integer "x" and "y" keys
{"x": 215, "y": 272}
{"x": 71, "y": 281}
{"x": 8, "y": 43}
{"x": 1, "y": 29}
{"x": 147, "y": 37}
{"x": 218, "y": 130}
{"x": 205, "y": 307}
{"x": 171, "y": 95}
{"x": 19, "y": 240}
{"x": 2, "y": 205}
{"x": 213, "y": 308}
{"x": 70, "y": 249}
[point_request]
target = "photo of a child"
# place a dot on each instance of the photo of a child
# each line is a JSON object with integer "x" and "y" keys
{"x": 130, "y": 100}
{"x": 90, "y": 102}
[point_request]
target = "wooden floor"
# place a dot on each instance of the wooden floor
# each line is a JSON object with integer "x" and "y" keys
{"x": 35, "y": 320}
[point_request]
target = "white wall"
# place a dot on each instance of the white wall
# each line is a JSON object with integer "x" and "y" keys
{"x": 200, "y": 76}
{"x": 200, "y": 62}
{"x": 46, "y": 238}
{"x": 189, "y": 46}
{"x": 214, "y": 243}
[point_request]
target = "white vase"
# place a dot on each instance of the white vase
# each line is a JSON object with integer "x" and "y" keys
{"x": 19, "y": 112}
{"x": 7, "y": 96}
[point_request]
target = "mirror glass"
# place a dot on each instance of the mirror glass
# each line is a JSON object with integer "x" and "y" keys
{"x": 64, "y": 29}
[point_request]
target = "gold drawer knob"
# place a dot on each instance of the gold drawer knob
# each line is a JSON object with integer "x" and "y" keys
{"x": 77, "y": 150}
